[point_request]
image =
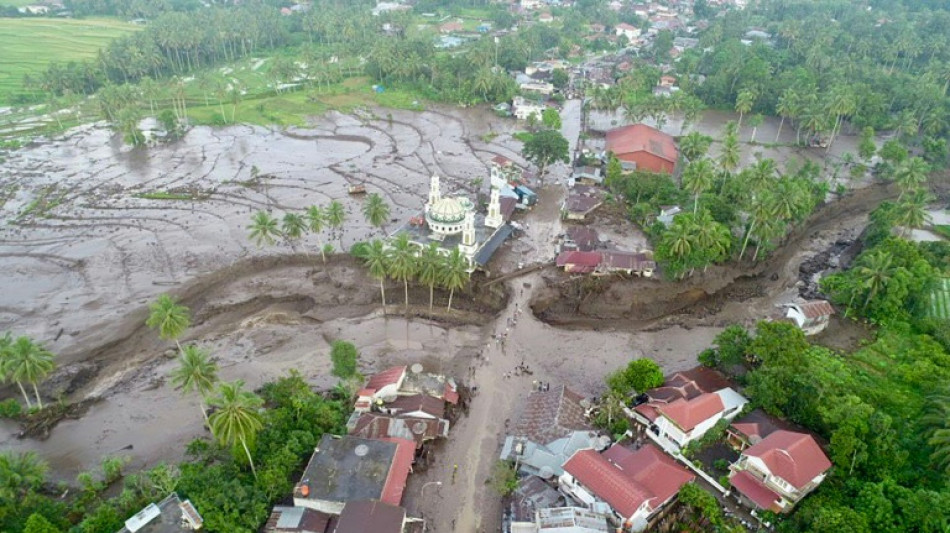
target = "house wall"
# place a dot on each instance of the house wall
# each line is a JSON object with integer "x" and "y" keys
{"x": 683, "y": 438}
{"x": 648, "y": 161}
{"x": 757, "y": 468}
{"x": 570, "y": 487}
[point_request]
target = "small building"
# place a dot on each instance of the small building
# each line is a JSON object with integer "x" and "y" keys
{"x": 503, "y": 172}
{"x": 549, "y": 429}
{"x": 578, "y": 262}
{"x": 564, "y": 520}
{"x": 811, "y": 317}
{"x": 649, "y": 148}
{"x": 579, "y": 239}
{"x": 540, "y": 87}
{"x": 627, "y": 30}
{"x": 451, "y": 27}
{"x": 371, "y": 517}
{"x": 416, "y": 406}
{"x": 667, "y": 213}
{"x": 779, "y": 471}
{"x": 526, "y": 196}
{"x": 419, "y": 430}
{"x": 579, "y": 206}
{"x": 171, "y": 515}
{"x": 752, "y": 428}
{"x": 529, "y": 5}
{"x": 351, "y": 469}
{"x": 531, "y": 495}
{"x": 635, "y": 485}
{"x": 587, "y": 175}
{"x": 383, "y": 386}
{"x": 630, "y": 263}
{"x": 285, "y": 519}
{"x": 546, "y": 18}
{"x": 522, "y": 108}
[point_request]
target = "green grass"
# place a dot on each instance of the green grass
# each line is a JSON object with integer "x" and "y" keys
{"x": 162, "y": 195}
{"x": 522, "y": 136}
{"x": 942, "y": 230}
{"x": 17, "y": 3}
{"x": 29, "y": 45}
{"x": 940, "y": 300}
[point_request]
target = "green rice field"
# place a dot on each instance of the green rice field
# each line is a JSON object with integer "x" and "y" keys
{"x": 940, "y": 300}
{"x": 28, "y": 45}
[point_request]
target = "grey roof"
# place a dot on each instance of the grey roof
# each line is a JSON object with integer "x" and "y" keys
{"x": 348, "y": 468}
{"x": 533, "y": 493}
{"x": 488, "y": 249}
{"x": 284, "y": 519}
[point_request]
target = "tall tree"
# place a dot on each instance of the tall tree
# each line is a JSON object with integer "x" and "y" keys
{"x": 20, "y": 474}
{"x": 455, "y": 274}
{"x": 745, "y": 101}
{"x": 376, "y": 211}
{"x": 263, "y": 228}
{"x": 315, "y": 222}
{"x": 730, "y": 156}
{"x": 698, "y": 178}
{"x": 694, "y": 145}
{"x": 911, "y": 212}
{"x": 402, "y": 262}
{"x": 936, "y": 419}
{"x": 293, "y": 228}
{"x": 26, "y": 361}
{"x": 237, "y": 419}
{"x": 430, "y": 269}
{"x": 336, "y": 217}
{"x": 196, "y": 372}
{"x": 875, "y": 273}
{"x": 169, "y": 318}
{"x": 785, "y": 108}
{"x": 544, "y": 148}
{"x": 910, "y": 175}
{"x": 376, "y": 260}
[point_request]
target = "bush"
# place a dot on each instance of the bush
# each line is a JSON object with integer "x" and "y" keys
{"x": 640, "y": 375}
{"x": 343, "y": 354}
{"x": 10, "y": 408}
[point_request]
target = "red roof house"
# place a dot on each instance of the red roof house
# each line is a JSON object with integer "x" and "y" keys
{"x": 398, "y": 471}
{"x": 687, "y": 414}
{"x": 634, "y": 484}
{"x": 382, "y": 386}
{"x": 579, "y": 262}
{"x": 780, "y": 470}
{"x": 649, "y": 148}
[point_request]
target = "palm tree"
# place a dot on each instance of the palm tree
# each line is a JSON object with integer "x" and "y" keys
{"x": 679, "y": 239}
{"x": 697, "y": 178}
{"x": 785, "y": 107}
{"x": 20, "y": 473}
{"x": 755, "y": 121}
{"x": 402, "y": 262}
{"x": 376, "y": 211}
{"x": 335, "y": 217}
{"x": 263, "y": 228}
{"x": 911, "y": 174}
{"x": 315, "y": 222}
{"x": 875, "y": 273}
{"x": 237, "y": 419}
{"x": 26, "y": 361}
{"x": 196, "y": 373}
{"x": 713, "y": 238}
{"x": 937, "y": 421}
{"x": 911, "y": 213}
{"x": 377, "y": 262}
{"x": 455, "y": 273}
{"x": 729, "y": 158}
{"x": 169, "y": 318}
{"x": 694, "y": 145}
{"x": 293, "y": 227}
{"x": 745, "y": 101}
{"x": 762, "y": 210}
{"x": 430, "y": 269}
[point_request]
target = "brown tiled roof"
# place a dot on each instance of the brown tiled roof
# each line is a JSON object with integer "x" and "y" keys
{"x": 653, "y": 469}
{"x": 375, "y": 426}
{"x": 399, "y": 471}
{"x": 386, "y": 377}
{"x": 550, "y": 415}
{"x": 794, "y": 457}
{"x": 370, "y": 516}
{"x": 418, "y": 402}
{"x": 687, "y": 414}
{"x": 578, "y": 203}
{"x": 579, "y": 261}
{"x": 502, "y": 161}
{"x": 619, "y": 260}
{"x": 757, "y": 425}
{"x": 753, "y": 489}
{"x": 817, "y": 308}
{"x": 642, "y": 138}
{"x": 607, "y": 482}
{"x": 310, "y": 521}
{"x": 507, "y": 206}
{"x": 689, "y": 384}
{"x": 585, "y": 237}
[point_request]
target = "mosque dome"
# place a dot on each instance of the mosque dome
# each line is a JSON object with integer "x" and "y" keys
{"x": 448, "y": 210}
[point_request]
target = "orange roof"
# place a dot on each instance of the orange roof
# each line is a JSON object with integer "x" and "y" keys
{"x": 753, "y": 489}
{"x": 607, "y": 481}
{"x": 642, "y": 138}
{"x": 687, "y": 414}
{"x": 794, "y": 457}
{"x": 389, "y": 376}
{"x": 398, "y": 471}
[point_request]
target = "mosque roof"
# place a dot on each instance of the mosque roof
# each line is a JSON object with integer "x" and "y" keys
{"x": 448, "y": 210}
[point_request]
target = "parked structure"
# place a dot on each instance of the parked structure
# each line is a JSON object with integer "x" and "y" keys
{"x": 649, "y": 148}
{"x": 812, "y": 316}
{"x": 171, "y": 515}
{"x": 633, "y": 485}
{"x": 779, "y": 471}
{"x": 522, "y": 108}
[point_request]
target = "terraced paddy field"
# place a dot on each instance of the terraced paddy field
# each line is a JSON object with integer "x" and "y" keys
{"x": 940, "y": 300}
{"x": 30, "y": 44}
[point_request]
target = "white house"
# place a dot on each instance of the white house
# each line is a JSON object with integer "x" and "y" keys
{"x": 779, "y": 471}
{"x": 811, "y": 317}
{"x": 522, "y": 108}
{"x": 383, "y": 386}
{"x": 629, "y": 31}
{"x": 683, "y": 421}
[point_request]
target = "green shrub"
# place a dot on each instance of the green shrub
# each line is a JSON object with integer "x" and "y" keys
{"x": 10, "y": 408}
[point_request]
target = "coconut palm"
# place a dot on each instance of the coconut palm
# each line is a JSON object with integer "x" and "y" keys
{"x": 694, "y": 145}
{"x": 911, "y": 174}
{"x": 26, "y": 361}
{"x": 263, "y": 228}
{"x": 698, "y": 178}
{"x": 20, "y": 473}
{"x": 678, "y": 238}
{"x": 937, "y": 421}
{"x": 713, "y": 238}
{"x": 293, "y": 227}
{"x": 196, "y": 373}
{"x": 911, "y": 212}
{"x": 455, "y": 273}
{"x": 335, "y": 217}
{"x": 875, "y": 273}
{"x": 745, "y": 101}
{"x": 376, "y": 211}
{"x": 376, "y": 261}
{"x": 762, "y": 209}
{"x": 169, "y": 318}
{"x": 237, "y": 419}
{"x": 430, "y": 269}
{"x": 316, "y": 219}
{"x": 785, "y": 108}
{"x": 402, "y": 262}
{"x": 730, "y": 156}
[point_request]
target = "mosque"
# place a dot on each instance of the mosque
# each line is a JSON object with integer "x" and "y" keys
{"x": 455, "y": 223}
